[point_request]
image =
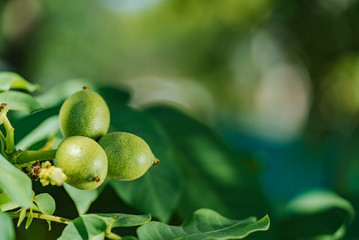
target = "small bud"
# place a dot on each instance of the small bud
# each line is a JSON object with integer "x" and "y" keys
{"x": 46, "y": 164}
{"x": 36, "y": 170}
{"x": 25, "y": 170}
{"x": 44, "y": 181}
{"x": 156, "y": 161}
{"x": 32, "y": 169}
{"x": 32, "y": 176}
{"x": 35, "y": 164}
{"x": 51, "y": 175}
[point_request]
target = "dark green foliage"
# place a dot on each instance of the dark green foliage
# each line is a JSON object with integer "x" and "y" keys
{"x": 211, "y": 171}
{"x": 212, "y": 87}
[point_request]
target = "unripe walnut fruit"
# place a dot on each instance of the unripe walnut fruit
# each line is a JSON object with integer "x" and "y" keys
{"x": 129, "y": 156}
{"x": 83, "y": 161}
{"x": 84, "y": 113}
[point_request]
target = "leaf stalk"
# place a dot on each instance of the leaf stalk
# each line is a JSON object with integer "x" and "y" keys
{"x": 43, "y": 216}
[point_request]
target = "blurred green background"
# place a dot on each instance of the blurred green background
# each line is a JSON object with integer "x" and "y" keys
{"x": 276, "y": 81}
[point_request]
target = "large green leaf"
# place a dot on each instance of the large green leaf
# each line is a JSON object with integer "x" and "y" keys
{"x": 20, "y": 101}
{"x": 83, "y": 198}
{"x": 204, "y": 224}
{"x": 158, "y": 190}
{"x": 9, "y": 80}
{"x": 94, "y": 226}
{"x": 214, "y": 177}
{"x": 316, "y": 215}
{"x": 6, "y": 227}
{"x": 15, "y": 184}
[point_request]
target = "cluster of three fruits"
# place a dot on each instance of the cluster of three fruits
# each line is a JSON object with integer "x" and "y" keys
{"x": 88, "y": 154}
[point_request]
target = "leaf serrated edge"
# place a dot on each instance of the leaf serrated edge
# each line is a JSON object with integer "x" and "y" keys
{"x": 265, "y": 220}
{"x": 118, "y": 215}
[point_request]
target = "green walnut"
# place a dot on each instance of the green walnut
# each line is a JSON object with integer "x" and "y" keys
{"x": 129, "y": 156}
{"x": 85, "y": 113}
{"x": 83, "y": 161}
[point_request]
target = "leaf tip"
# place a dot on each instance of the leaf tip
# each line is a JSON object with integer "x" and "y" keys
{"x": 266, "y": 222}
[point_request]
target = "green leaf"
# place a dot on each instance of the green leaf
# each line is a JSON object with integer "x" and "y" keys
{"x": 47, "y": 128}
{"x": 16, "y": 185}
{"x": 123, "y": 220}
{"x": 158, "y": 190}
{"x": 6, "y": 227}
{"x": 30, "y": 217}
{"x": 213, "y": 176}
{"x": 9, "y": 80}
{"x": 94, "y": 226}
{"x": 46, "y": 205}
{"x": 6, "y": 203}
{"x": 83, "y": 198}
{"x": 20, "y": 101}
{"x": 316, "y": 215}
{"x": 129, "y": 238}
{"x": 22, "y": 216}
{"x": 204, "y": 224}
